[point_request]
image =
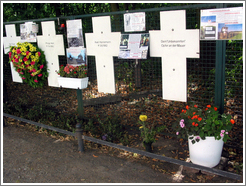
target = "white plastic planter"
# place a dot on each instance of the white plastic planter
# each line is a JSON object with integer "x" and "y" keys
{"x": 73, "y": 83}
{"x": 206, "y": 152}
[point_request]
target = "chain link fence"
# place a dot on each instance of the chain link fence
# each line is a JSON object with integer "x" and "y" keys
{"x": 138, "y": 83}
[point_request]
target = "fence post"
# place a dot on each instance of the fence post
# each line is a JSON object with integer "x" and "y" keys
{"x": 220, "y": 71}
{"x": 80, "y": 104}
{"x": 79, "y": 133}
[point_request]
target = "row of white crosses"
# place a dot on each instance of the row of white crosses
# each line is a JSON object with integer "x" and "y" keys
{"x": 173, "y": 43}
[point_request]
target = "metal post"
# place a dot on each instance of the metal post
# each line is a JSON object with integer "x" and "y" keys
{"x": 80, "y": 104}
{"x": 220, "y": 71}
{"x": 138, "y": 73}
{"x": 79, "y": 133}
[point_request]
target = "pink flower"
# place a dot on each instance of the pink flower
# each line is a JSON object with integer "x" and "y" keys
{"x": 41, "y": 66}
{"x": 21, "y": 72}
{"x": 18, "y": 51}
{"x": 39, "y": 54}
{"x": 27, "y": 52}
{"x": 36, "y": 81}
{"x": 33, "y": 70}
{"x": 10, "y": 54}
{"x": 222, "y": 131}
{"x": 177, "y": 133}
{"x": 198, "y": 137}
{"x": 226, "y": 132}
{"x": 181, "y": 123}
{"x": 40, "y": 75}
{"x": 32, "y": 63}
{"x": 221, "y": 134}
{"x": 16, "y": 60}
{"x": 23, "y": 78}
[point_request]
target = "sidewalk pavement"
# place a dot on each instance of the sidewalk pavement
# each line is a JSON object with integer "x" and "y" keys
{"x": 31, "y": 157}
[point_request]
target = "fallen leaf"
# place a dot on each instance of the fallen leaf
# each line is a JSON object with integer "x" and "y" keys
{"x": 95, "y": 156}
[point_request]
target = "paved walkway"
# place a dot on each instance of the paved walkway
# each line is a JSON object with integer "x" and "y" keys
{"x": 30, "y": 157}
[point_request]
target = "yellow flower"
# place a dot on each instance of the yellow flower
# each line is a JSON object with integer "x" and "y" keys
{"x": 141, "y": 127}
{"x": 143, "y": 117}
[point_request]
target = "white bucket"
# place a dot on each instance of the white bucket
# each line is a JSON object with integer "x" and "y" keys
{"x": 206, "y": 152}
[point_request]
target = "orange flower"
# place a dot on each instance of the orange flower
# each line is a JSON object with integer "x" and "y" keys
{"x": 209, "y": 106}
{"x": 194, "y": 113}
{"x": 206, "y": 109}
{"x": 232, "y": 121}
{"x": 187, "y": 107}
{"x": 199, "y": 119}
{"x": 193, "y": 123}
{"x": 215, "y": 109}
{"x": 196, "y": 125}
{"x": 184, "y": 111}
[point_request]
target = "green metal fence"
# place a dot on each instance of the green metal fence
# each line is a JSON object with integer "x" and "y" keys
{"x": 216, "y": 77}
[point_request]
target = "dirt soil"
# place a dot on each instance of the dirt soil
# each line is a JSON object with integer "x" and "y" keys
{"x": 31, "y": 156}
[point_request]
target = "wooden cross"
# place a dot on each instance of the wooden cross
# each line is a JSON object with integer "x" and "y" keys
{"x": 52, "y": 45}
{"x": 11, "y": 40}
{"x": 103, "y": 44}
{"x": 173, "y": 43}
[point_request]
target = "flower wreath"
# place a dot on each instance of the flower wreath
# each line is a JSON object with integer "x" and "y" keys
{"x": 29, "y": 61}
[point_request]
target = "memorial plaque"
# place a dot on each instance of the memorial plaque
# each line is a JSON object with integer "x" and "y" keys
{"x": 174, "y": 44}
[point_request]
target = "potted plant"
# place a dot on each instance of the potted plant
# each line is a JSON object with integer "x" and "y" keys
{"x": 29, "y": 61}
{"x": 74, "y": 77}
{"x": 148, "y": 132}
{"x": 206, "y": 130}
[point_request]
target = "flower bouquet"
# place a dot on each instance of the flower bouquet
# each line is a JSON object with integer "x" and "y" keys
{"x": 197, "y": 124}
{"x": 29, "y": 61}
{"x": 74, "y": 77}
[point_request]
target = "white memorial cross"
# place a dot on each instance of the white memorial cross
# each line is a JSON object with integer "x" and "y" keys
{"x": 104, "y": 45}
{"x": 52, "y": 45}
{"x": 174, "y": 44}
{"x": 11, "y": 40}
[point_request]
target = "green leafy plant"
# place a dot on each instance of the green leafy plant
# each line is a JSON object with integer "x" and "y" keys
{"x": 197, "y": 124}
{"x": 148, "y": 132}
{"x": 29, "y": 61}
{"x": 73, "y": 71}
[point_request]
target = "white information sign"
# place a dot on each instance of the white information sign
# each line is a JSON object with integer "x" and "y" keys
{"x": 28, "y": 32}
{"x": 11, "y": 40}
{"x": 74, "y": 33}
{"x": 76, "y": 56}
{"x": 134, "y": 22}
{"x": 134, "y": 46}
{"x": 52, "y": 45}
{"x": 174, "y": 44}
{"x": 222, "y": 24}
{"x": 103, "y": 44}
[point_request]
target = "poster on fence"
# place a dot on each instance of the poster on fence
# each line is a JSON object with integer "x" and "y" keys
{"x": 28, "y": 32}
{"x": 134, "y": 46}
{"x": 134, "y": 22}
{"x": 221, "y": 24}
{"x": 76, "y": 56}
{"x": 74, "y": 33}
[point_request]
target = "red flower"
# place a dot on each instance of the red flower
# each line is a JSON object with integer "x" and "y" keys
{"x": 193, "y": 123}
{"x": 16, "y": 60}
{"x": 195, "y": 106}
{"x": 36, "y": 81}
{"x": 40, "y": 75}
{"x": 41, "y": 66}
{"x": 75, "y": 72}
{"x": 196, "y": 125}
{"x": 199, "y": 119}
{"x": 25, "y": 59}
{"x": 209, "y": 106}
{"x": 232, "y": 121}
{"x": 194, "y": 113}
{"x": 10, "y": 54}
{"x": 184, "y": 111}
{"x": 27, "y": 52}
{"x": 33, "y": 70}
{"x": 187, "y": 107}
{"x": 215, "y": 109}
{"x": 33, "y": 63}
{"x": 18, "y": 51}
{"x": 39, "y": 54}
